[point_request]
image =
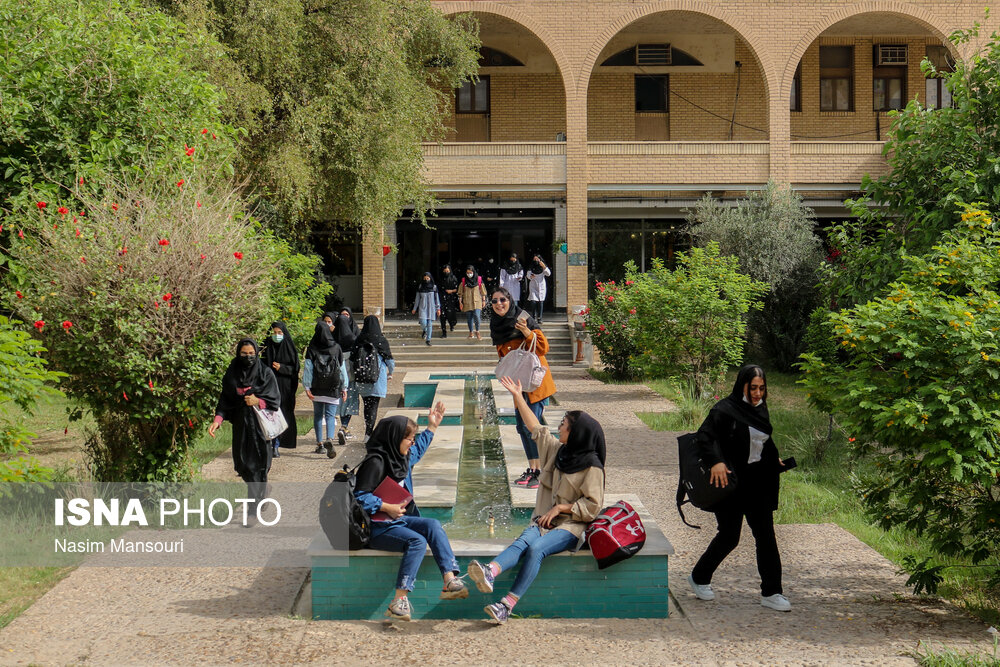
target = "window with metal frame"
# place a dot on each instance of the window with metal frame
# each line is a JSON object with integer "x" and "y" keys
{"x": 836, "y": 78}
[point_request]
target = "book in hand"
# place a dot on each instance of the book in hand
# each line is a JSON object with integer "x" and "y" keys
{"x": 392, "y": 492}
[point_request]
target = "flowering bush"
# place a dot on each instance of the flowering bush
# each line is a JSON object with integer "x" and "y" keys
{"x": 152, "y": 299}
{"x": 917, "y": 388}
{"x": 607, "y": 320}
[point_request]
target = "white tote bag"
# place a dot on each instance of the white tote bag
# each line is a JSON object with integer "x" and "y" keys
{"x": 523, "y": 364}
{"x": 272, "y": 422}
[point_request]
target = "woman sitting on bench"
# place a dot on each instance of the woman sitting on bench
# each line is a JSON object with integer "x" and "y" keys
{"x": 570, "y": 496}
{"x": 392, "y": 452}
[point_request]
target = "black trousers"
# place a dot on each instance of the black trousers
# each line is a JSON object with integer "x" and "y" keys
{"x": 730, "y": 520}
{"x": 449, "y": 316}
{"x": 535, "y": 309}
{"x": 371, "y": 412}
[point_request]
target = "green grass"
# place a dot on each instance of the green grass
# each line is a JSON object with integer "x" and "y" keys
{"x": 822, "y": 488}
{"x": 928, "y": 656}
{"x": 21, "y": 586}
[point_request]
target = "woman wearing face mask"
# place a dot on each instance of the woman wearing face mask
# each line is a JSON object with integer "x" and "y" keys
{"x": 510, "y": 328}
{"x": 536, "y": 286}
{"x": 279, "y": 354}
{"x": 511, "y": 274}
{"x": 247, "y": 384}
{"x": 449, "y": 300}
{"x": 427, "y": 307}
{"x": 736, "y": 437}
{"x": 392, "y": 451}
{"x": 345, "y": 333}
{"x": 324, "y": 378}
{"x": 570, "y": 496}
{"x": 471, "y": 299}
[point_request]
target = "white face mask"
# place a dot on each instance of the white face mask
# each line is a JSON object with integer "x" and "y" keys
{"x": 277, "y": 338}
{"x": 468, "y": 275}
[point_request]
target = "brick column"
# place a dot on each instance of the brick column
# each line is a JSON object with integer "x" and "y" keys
{"x": 576, "y": 196}
{"x": 780, "y": 134}
{"x": 373, "y": 271}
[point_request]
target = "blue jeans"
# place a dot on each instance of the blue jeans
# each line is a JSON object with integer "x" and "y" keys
{"x": 533, "y": 547}
{"x": 474, "y": 317}
{"x": 530, "y": 448}
{"x": 428, "y": 328}
{"x": 324, "y": 413}
{"x": 411, "y": 537}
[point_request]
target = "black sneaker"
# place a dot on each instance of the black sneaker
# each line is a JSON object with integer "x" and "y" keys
{"x": 341, "y": 438}
{"x": 498, "y": 611}
{"x": 523, "y": 479}
{"x": 330, "y": 453}
{"x": 319, "y": 448}
{"x": 533, "y": 480}
{"x": 428, "y": 343}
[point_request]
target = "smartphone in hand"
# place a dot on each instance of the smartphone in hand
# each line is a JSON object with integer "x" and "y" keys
{"x": 789, "y": 464}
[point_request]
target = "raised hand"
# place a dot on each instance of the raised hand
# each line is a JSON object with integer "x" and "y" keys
{"x": 435, "y": 415}
{"x": 511, "y": 385}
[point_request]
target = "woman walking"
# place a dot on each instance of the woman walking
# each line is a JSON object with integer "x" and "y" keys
{"x": 324, "y": 378}
{"x": 372, "y": 340}
{"x": 248, "y": 384}
{"x": 449, "y": 300}
{"x": 536, "y": 286}
{"x": 736, "y": 437}
{"x": 511, "y": 274}
{"x": 427, "y": 307}
{"x": 345, "y": 333}
{"x": 570, "y": 496}
{"x": 510, "y": 327}
{"x": 279, "y": 354}
{"x": 471, "y": 299}
{"x": 393, "y": 449}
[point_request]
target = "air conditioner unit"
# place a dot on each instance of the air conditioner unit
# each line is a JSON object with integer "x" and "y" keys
{"x": 890, "y": 54}
{"x": 652, "y": 54}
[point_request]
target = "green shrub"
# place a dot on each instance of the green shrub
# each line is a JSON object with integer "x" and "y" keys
{"x": 608, "y": 318}
{"x": 917, "y": 390}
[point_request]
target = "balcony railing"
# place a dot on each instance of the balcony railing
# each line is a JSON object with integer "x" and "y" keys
{"x": 836, "y": 162}
{"x": 477, "y": 165}
{"x": 678, "y": 162}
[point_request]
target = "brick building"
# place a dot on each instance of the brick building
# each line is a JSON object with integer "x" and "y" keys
{"x": 598, "y": 122}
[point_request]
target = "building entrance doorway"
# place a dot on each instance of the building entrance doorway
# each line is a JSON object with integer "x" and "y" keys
{"x": 460, "y": 237}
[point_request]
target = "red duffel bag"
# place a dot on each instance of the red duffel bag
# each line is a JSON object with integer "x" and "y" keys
{"x": 616, "y": 534}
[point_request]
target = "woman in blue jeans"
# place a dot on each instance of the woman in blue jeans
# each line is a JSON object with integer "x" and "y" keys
{"x": 392, "y": 452}
{"x": 570, "y": 496}
{"x": 427, "y": 306}
{"x": 324, "y": 377}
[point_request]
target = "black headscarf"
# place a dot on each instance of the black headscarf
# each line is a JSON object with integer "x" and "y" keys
{"x": 742, "y": 411}
{"x": 258, "y": 377}
{"x": 284, "y": 352}
{"x": 512, "y": 266}
{"x": 343, "y": 333}
{"x": 502, "y": 328}
{"x": 322, "y": 342}
{"x": 536, "y": 266}
{"x": 448, "y": 281}
{"x": 585, "y": 446}
{"x": 371, "y": 333}
{"x": 389, "y": 462}
{"x": 471, "y": 282}
{"x": 350, "y": 318}
{"x": 426, "y": 285}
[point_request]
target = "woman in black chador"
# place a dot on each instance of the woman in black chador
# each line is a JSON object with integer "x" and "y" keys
{"x": 448, "y": 288}
{"x": 279, "y": 354}
{"x": 736, "y": 437}
{"x": 248, "y": 383}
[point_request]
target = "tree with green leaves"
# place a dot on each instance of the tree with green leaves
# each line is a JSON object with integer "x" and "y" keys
{"x": 336, "y": 97}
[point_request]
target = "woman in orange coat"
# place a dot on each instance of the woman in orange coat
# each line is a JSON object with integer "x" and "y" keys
{"x": 510, "y": 327}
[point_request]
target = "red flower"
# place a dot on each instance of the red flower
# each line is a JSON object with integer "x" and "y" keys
{"x": 188, "y": 151}
{"x": 41, "y": 205}
{"x": 67, "y": 324}
{"x": 114, "y": 207}
{"x": 610, "y": 299}
{"x": 150, "y": 384}
{"x": 19, "y": 295}
{"x": 198, "y": 204}
{"x": 164, "y": 242}
{"x": 122, "y": 251}
{"x": 623, "y": 326}
{"x": 629, "y": 282}
{"x": 83, "y": 213}
{"x": 81, "y": 180}
{"x": 125, "y": 395}
{"x": 238, "y": 255}
{"x": 213, "y": 135}
{"x": 601, "y": 327}
{"x": 180, "y": 183}
{"x": 632, "y": 312}
{"x": 77, "y": 232}
{"x": 62, "y": 210}
{"x": 203, "y": 258}
{"x": 20, "y": 234}
{"x": 851, "y": 439}
{"x": 156, "y": 304}
{"x": 168, "y": 296}
{"x": 204, "y": 130}
{"x": 83, "y": 260}
{"x": 39, "y": 324}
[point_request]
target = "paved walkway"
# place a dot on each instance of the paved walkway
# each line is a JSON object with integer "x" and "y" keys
{"x": 849, "y": 607}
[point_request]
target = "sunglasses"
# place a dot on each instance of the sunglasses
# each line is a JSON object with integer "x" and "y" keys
{"x": 500, "y": 300}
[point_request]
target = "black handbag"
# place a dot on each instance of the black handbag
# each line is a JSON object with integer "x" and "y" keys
{"x": 346, "y": 525}
{"x": 694, "y": 480}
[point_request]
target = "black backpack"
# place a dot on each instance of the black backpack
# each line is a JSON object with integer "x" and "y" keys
{"x": 694, "y": 479}
{"x": 326, "y": 374}
{"x": 366, "y": 368}
{"x": 344, "y": 521}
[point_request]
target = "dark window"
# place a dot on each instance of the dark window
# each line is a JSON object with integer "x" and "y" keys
{"x": 836, "y": 78}
{"x": 935, "y": 89}
{"x": 888, "y": 76}
{"x": 651, "y": 93}
{"x": 795, "y": 101}
{"x": 473, "y": 97}
{"x": 493, "y": 58}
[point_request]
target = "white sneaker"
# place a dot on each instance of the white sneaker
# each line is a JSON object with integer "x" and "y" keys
{"x": 701, "y": 592}
{"x": 777, "y": 602}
